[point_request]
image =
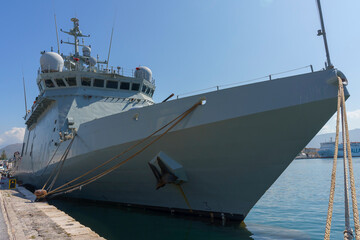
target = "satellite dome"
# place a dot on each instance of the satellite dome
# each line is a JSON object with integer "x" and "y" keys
{"x": 51, "y": 62}
{"x": 92, "y": 61}
{"x": 86, "y": 51}
{"x": 144, "y": 73}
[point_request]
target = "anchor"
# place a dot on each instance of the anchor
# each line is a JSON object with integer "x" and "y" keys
{"x": 164, "y": 177}
{"x": 170, "y": 171}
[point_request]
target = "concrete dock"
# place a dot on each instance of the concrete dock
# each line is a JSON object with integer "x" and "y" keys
{"x": 22, "y": 218}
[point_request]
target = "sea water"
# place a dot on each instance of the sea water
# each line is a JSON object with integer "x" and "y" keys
{"x": 295, "y": 207}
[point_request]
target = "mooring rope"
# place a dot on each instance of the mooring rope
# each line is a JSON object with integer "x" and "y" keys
{"x": 64, "y": 189}
{"x": 348, "y": 233}
{"x": 47, "y": 165}
{"x": 184, "y": 196}
{"x": 126, "y": 150}
{"x": 57, "y": 169}
{"x": 347, "y": 162}
{"x": 333, "y": 174}
{"x": 61, "y": 164}
{"x": 351, "y": 170}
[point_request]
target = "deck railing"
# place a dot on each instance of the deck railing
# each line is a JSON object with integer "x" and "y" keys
{"x": 268, "y": 77}
{"x": 126, "y": 72}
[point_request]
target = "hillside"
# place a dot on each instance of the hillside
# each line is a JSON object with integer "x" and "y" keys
{"x": 10, "y": 149}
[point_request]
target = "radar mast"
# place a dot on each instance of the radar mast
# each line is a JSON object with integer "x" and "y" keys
{"x": 76, "y": 33}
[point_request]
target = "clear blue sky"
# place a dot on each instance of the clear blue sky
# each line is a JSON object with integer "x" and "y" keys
{"x": 188, "y": 44}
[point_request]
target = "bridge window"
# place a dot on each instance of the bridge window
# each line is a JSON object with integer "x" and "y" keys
{"x": 125, "y": 85}
{"x": 40, "y": 87}
{"x": 112, "y": 84}
{"x": 60, "y": 82}
{"x": 98, "y": 83}
{"x": 85, "y": 81}
{"x": 71, "y": 81}
{"x": 49, "y": 83}
{"x": 143, "y": 88}
{"x": 151, "y": 92}
{"x": 147, "y": 90}
{"x": 135, "y": 87}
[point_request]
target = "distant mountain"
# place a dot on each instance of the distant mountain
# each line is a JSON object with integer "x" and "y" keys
{"x": 315, "y": 142}
{"x": 10, "y": 149}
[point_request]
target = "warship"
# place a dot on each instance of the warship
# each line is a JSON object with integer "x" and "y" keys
{"x": 223, "y": 151}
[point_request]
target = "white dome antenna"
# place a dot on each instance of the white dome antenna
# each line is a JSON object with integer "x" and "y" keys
{"x": 143, "y": 73}
{"x": 51, "y": 62}
{"x": 86, "y": 51}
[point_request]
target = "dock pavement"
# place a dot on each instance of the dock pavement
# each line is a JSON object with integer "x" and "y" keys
{"x": 22, "y": 218}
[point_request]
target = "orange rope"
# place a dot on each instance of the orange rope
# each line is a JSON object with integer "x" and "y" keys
{"x": 92, "y": 179}
{"x": 351, "y": 171}
{"x": 333, "y": 174}
{"x": 185, "y": 198}
{"x": 56, "y": 169}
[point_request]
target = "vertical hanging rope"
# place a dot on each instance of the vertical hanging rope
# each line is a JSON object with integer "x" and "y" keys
{"x": 351, "y": 170}
{"x": 333, "y": 174}
{"x": 348, "y": 233}
{"x": 347, "y": 152}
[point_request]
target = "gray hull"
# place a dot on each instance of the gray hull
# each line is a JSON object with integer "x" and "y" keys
{"x": 233, "y": 148}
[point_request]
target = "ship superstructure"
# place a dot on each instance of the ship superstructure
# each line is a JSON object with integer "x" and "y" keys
{"x": 327, "y": 149}
{"x": 80, "y": 88}
{"x": 93, "y": 113}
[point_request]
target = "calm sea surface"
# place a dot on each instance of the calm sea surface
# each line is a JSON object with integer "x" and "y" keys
{"x": 295, "y": 207}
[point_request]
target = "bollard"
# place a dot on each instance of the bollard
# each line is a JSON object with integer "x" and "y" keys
{"x": 12, "y": 183}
